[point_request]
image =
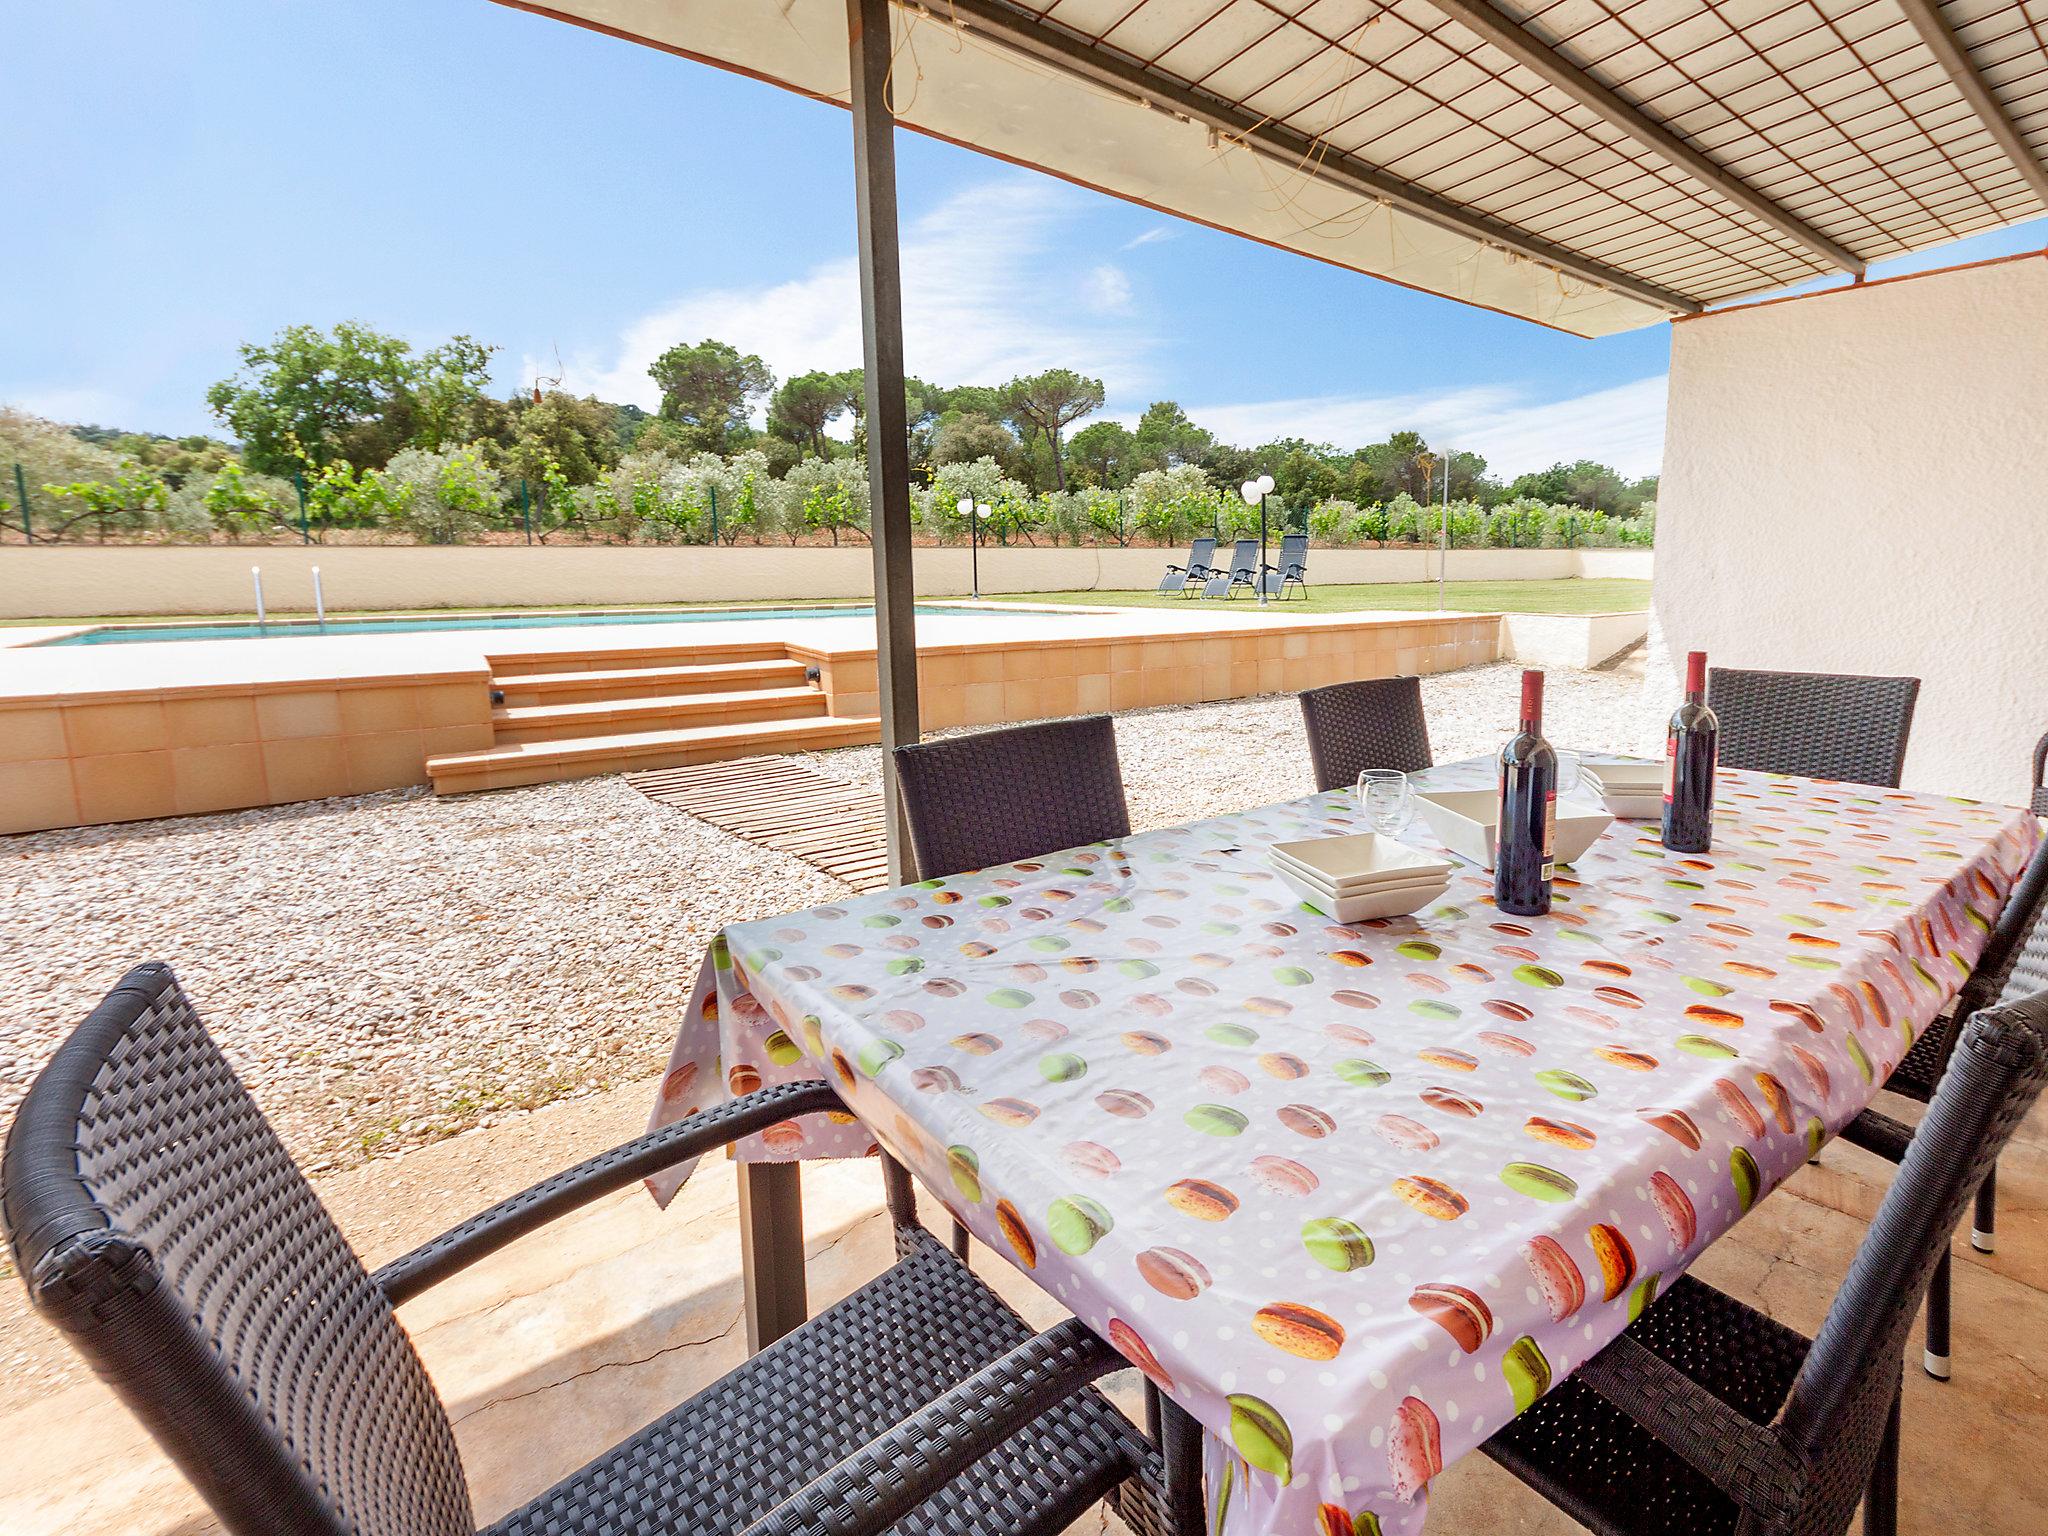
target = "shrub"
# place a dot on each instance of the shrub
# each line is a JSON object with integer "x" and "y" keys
{"x": 442, "y": 497}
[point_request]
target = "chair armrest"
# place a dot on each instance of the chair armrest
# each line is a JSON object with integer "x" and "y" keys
{"x": 892, "y": 1474}
{"x": 1743, "y": 1458}
{"x": 539, "y": 1204}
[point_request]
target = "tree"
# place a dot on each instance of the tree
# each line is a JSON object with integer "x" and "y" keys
{"x": 576, "y": 434}
{"x": 307, "y": 398}
{"x": 1584, "y": 484}
{"x": 1049, "y": 401}
{"x": 1166, "y": 438}
{"x": 964, "y": 436}
{"x": 806, "y": 404}
{"x": 1103, "y": 454}
{"x": 710, "y": 390}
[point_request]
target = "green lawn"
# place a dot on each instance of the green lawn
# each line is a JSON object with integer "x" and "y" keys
{"x": 1606, "y": 594}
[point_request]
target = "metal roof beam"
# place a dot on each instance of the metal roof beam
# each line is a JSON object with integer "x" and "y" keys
{"x": 1500, "y": 30}
{"x": 1072, "y": 54}
{"x": 1955, "y": 62}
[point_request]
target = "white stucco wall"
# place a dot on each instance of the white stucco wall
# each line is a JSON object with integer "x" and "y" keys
{"x": 1857, "y": 481}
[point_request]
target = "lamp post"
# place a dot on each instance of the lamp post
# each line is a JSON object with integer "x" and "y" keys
{"x": 1443, "y": 534}
{"x": 976, "y": 516}
{"x": 1255, "y": 493}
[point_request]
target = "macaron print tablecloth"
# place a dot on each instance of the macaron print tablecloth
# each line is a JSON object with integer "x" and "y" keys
{"x": 1355, "y": 1195}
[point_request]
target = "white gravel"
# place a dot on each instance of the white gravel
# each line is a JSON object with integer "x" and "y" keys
{"x": 1188, "y": 761}
{"x": 390, "y": 969}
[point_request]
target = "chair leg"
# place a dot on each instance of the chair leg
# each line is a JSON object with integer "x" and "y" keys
{"x": 1881, "y": 1498}
{"x": 960, "y": 1241}
{"x": 1984, "y": 1228}
{"x": 1180, "y": 1446}
{"x": 1936, "y": 1357}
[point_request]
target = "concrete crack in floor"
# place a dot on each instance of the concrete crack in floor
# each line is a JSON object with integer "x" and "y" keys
{"x": 605, "y": 1365}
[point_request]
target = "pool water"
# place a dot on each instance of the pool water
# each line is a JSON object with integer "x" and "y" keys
{"x": 306, "y": 629}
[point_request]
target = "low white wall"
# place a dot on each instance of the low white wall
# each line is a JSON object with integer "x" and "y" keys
{"x": 1570, "y": 639}
{"x": 1857, "y": 481}
{"x": 65, "y": 581}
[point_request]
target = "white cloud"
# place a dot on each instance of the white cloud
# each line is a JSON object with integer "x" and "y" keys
{"x": 1107, "y": 288}
{"x": 983, "y": 278}
{"x": 1152, "y": 236}
{"x": 1622, "y": 426}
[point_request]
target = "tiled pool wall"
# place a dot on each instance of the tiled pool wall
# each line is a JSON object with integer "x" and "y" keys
{"x": 69, "y": 762}
{"x": 109, "y": 756}
{"x": 1038, "y": 679}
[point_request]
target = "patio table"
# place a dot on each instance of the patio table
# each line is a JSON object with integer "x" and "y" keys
{"x": 1355, "y": 1195}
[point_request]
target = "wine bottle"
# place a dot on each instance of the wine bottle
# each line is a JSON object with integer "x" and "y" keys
{"x": 1527, "y": 831}
{"x": 1691, "y": 746}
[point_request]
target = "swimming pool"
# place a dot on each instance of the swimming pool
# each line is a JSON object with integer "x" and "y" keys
{"x": 307, "y": 629}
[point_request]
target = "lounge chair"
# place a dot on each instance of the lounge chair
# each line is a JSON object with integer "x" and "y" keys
{"x": 1180, "y": 578}
{"x": 1292, "y": 569}
{"x": 1243, "y": 571}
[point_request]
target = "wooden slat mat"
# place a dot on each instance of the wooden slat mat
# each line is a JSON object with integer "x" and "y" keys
{"x": 830, "y": 825}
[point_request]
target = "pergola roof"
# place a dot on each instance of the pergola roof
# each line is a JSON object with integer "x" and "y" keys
{"x": 1596, "y": 165}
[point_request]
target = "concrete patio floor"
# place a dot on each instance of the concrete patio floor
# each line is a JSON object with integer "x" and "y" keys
{"x": 556, "y": 1348}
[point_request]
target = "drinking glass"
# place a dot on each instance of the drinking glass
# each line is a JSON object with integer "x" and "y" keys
{"x": 1383, "y": 792}
{"x": 1570, "y": 772}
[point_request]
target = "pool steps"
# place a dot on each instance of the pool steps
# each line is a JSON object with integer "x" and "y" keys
{"x": 571, "y": 715}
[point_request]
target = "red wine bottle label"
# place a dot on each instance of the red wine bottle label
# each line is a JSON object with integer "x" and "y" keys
{"x": 1670, "y": 763}
{"x": 1549, "y": 835}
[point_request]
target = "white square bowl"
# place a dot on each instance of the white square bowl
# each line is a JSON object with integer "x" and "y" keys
{"x": 1387, "y": 901}
{"x": 1630, "y": 791}
{"x": 1467, "y": 820}
{"x": 1356, "y": 863}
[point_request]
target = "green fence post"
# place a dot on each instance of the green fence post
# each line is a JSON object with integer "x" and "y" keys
{"x": 714, "y": 513}
{"x": 299, "y": 485}
{"x": 526, "y": 508}
{"x": 28, "y": 531}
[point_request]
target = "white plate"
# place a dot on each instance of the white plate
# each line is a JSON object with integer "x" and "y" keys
{"x": 1626, "y": 778}
{"x": 1359, "y": 861}
{"x": 1466, "y": 819}
{"x": 1358, "y": 909}
{"x": 1303, "y": 875}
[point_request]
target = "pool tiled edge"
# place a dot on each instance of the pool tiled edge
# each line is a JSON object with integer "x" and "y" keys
{"x": 157, "y": 738}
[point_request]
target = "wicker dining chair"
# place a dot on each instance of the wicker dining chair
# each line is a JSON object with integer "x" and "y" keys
{"x": 2038, "y": 801}
{"x": 1376, "y": 723}
{"x": 1706, "y": 1416}
{"x": 2014, "y": 964}
{"x": 158, "y": 1221}
{"x": 999, "y": 796}
{"x": 1820, "y": 725}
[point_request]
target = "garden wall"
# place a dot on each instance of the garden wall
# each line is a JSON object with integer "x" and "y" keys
{"x": 1863, "y": 409}
{"x": 76, "y": 580}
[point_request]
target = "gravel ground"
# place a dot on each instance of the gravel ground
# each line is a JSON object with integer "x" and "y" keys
{"x": 390, "y": 969}
{"x": 1189, "y": 761}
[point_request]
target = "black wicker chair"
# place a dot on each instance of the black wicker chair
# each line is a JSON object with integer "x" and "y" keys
{"x": 2014, "y": 965}
{"x": 1820, "y": 725}
{"x": 2038, "y": 802}
{"x": 1707, "y": 1416}
{"x": 1377, "y": 723}
{"x": 999, "y": 796}
{"x": 158, "y": 1221}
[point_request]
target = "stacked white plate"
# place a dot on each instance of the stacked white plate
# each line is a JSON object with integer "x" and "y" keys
{"x": 1631, "y": 791}
{"x": 1361, "y": 876}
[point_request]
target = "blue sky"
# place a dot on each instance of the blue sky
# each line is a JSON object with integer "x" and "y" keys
{"x": 177, "y": 179}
